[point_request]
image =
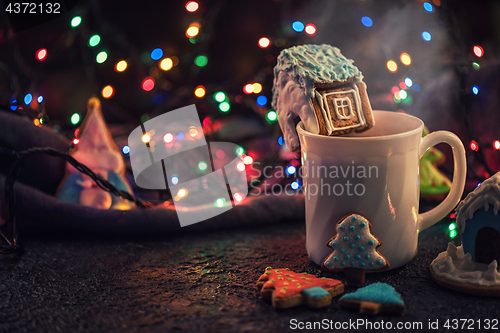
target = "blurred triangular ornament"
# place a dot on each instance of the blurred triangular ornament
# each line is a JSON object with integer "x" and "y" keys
{"x": 434, "y": 185}
{"x": 97, "y": 150}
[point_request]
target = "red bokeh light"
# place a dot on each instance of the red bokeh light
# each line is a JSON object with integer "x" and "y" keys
{"x": 478, "y": 51}
{"x": 41, "y": 54}
{"x": 248, "y": 89}
{"x": 264, "y": 42}
{"x": 148, "y": 84}
{"x": 474, "y": 146}
{"x": 192, "y": 6}
{"x": 310, "y": 29}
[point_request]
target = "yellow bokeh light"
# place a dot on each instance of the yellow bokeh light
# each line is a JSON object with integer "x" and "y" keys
{"x": 257, "y": 88}
{"x": 405, "y": 59}
{"x": 182, "y": 193}
{"x": 199, "y": 92}
{"x": 121, "y": 66}
{"x": 166, "y": 64}
{"x": 248, "y": 160}
{"x": 146, "y": 138}
{"x": 192, "y": 31}
{"x": 107, "y": 92}
{"x": 36, "y": 121}
{"x": 193, "y": 131}
{"x": 392, "y": 66}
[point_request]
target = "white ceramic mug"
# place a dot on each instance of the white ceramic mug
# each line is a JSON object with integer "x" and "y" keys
{"x": 375, "y": 174}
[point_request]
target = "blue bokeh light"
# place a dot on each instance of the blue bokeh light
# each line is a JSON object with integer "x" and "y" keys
{"x": 157, "y": 99}
{"x": 126, "y": 150}
{"x": 298, "y": 26}
{"x": 290, "y": 170}
{"x": 262, "y": 100}
{"x": 408, "y": 82}
{"x": 475, "y": 90}
{"x": 28, "y": 99}
{"x": 426, "y": 36}
{"x": 416, "y": 87}
{"x": 156, "y": 54}
{"x": 428, "y": 7}
{"x": 367, "y": 22}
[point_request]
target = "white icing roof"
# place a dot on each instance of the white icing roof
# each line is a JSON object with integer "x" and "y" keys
{"x": 487, "y": 193}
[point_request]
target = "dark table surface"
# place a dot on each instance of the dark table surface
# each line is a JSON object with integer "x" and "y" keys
{"x": 200, "y": 282}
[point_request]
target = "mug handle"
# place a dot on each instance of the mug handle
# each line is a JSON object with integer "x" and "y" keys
{"x": 427, "y": 219}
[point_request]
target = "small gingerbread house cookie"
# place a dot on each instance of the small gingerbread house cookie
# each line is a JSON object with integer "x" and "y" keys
{"x": 479, "y": 222}
{"x": 317, "y": 84}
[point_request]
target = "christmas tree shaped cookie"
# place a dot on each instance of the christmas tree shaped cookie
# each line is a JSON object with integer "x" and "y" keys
{"x": 354, "y": 250}
{"x": 373, "y": 299}
{"x": 97, "y": 150}
{"x": 433, "y": 183}
{"x": 287, "y": 289}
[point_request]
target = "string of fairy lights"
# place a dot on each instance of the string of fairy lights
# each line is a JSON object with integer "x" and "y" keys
{"x": 403, "y": 91}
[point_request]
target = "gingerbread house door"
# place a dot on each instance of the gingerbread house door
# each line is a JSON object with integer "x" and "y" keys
{"x": 487, "y": 245}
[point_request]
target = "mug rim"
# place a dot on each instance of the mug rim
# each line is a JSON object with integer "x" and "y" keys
{"x": 419, "y": 129}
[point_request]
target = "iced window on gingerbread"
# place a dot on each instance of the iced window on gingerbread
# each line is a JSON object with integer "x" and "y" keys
{"x": 343, "y": 108}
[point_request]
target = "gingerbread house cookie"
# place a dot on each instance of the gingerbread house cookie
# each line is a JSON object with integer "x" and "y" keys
{"x": 456, "y": 270}
{"x": 479, "y": 222}
{"x": 473, "y": 267}
{"x": 317, "y": 84}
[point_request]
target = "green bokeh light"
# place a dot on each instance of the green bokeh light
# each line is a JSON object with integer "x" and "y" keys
{"x": 224, "y": 106}
{"x": 201, "y": 61}
{"x": 94, "y": 40}
{"x": 271, "y": 116}
{"x": 240, "y": 151}
{"x": 101, "y": 57}
{"x": 75, "y": 118}
{"x": 75, "y": 21}
{"x": 220, "y": 97}
{"x": 220, "y": 202}
{"x": 202, "y": 166}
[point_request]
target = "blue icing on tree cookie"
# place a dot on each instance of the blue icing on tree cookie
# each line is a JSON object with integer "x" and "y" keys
{"x": 377, "y": 293}
{"x": 315, "y": 292}
{"x": 359, "y": 249}
{"x": 373, "y": 299}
